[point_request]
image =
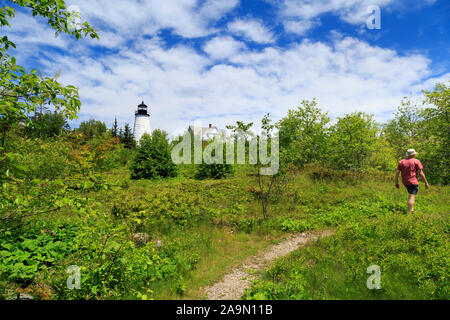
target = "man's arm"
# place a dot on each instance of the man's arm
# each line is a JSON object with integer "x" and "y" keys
{"x": 396, "y": 179}
{"x": 422, "y": 174}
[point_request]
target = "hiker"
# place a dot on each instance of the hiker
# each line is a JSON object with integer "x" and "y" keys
{"x": 410, "y": 168}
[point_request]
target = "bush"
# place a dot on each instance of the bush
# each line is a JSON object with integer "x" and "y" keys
{"x": 24, "y": 257}
{"x": 213, "y": 171}
{"x": 48, "y": 125}
{"x": 92, "y": 128}
{"x": 152, "y": 159}
{"x": 293, "y": 288}
{"x": 291, "y": 225}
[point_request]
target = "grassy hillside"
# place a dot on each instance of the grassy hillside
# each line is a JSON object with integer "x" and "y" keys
{"x": 167, "y": 239}
{"x": 412, "y": 251}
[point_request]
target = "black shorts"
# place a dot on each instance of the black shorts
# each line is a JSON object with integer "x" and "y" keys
{"x": 413, "y": 189}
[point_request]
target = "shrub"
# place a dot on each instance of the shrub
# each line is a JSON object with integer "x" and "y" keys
{"x": 291, "y": 225}
{"x": 48, "y": 125}
{"x": 213, "y": 171}
{"x": 92, "y": 128}
{"x": 23, "y": 258}
{"x": 292, "y": 289}
{"x": 152, "y": 158}
{"x": 36, "y": 158}
{"x": 246, "y": 225}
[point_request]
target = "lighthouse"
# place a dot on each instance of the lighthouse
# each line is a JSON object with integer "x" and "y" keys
{"x": 141, "y": 122}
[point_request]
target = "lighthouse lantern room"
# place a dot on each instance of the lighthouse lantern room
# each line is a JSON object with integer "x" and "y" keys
{"x": 141, "y": 122}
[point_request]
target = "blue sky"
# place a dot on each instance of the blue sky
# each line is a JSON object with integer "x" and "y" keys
{"x": 218, "y": 61}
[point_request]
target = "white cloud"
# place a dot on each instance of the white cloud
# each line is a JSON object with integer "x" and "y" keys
{"x": 298, "y": 16}
{"x": 252, "y": 30}
{"x": 353, "y": 11}
{"x": 180, "y": 85}
{"x": 223, "y": 47}
{"x": 215, "y": 9}
{"x": 300, "y": 27}
{"x": 187, "y": 18}
{"x": 27, "y": 30}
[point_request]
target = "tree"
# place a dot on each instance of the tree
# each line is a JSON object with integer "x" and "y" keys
{"x": 241, "y": 129}
{"x": 436, "y": 130}
{"x": 352, "y": 139}
{"x": 304, "y": 134}
{"x": 49, "y": 124}
{"x": 153, "y": 158}
{"x": 269, "y": 187}
{"x": 115, "y": 129}
{"x": 21, "y": 91}
{"x": 127, "y": 138}
{"x": 92, "y": 128}
{"x": 381, "y": 157}
{"x": 214, "y": 170}
{"x": 403, "y": 132}
{"x": 266, "y": 125}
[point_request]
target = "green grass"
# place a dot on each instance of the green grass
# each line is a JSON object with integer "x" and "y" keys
{"x": 412, "y": 250}
{"x": 207, "y": 227}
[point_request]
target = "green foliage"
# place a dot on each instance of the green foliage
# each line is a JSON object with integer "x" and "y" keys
{"x": 436, "y": 128}
{"x": 382, "y": 156}
{"x": 55, "y": 11}
{"x": 266, "y": 125}
{"x": 22, "y": 92}
{"x": 127, "y": 138}
{"x": 92, "y": 129}
{"x": 213, "y": 171}
{"x": 246, "y": 225}
{"x": 24, "y": 257}
{"x": 21, "y": 200}
{"x": 112, "y": 264}
{"x": 403, "y": 132}
{"x": 292, "y": 225}
{"x": 269, "y": 188}
{"x": 153, "y": 158}
{"x": 353, "y": 137}
{"x": 48, "y": 125}
{"x": 410, "y": 249}
{"x": 115, "y": 129}
{"x": 424, "y": 129}
{"x": 36, "y": 158}
{"x": 97, "y": 154}
{"x": 43, "y": 176}
{"x": 304, "y": 134}
{"x": 182, "y": 209}
{"x": 241, "y": 129}
{"x": 356, "y": 143}
{"x": 101, "y": 216}
{"x": 292, "y": 289}
{"x": 117, "y": 157}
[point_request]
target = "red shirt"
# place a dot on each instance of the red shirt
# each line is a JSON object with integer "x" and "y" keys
{"x": 409, "y": 169}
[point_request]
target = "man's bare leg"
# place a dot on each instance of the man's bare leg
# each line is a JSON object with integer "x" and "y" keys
{"x": 411, "y": 200}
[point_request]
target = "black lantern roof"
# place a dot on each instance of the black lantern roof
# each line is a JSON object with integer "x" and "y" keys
{"x": 142, "y": 109}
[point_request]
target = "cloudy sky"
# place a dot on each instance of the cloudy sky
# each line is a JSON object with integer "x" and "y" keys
{"x": 218, "y": 61}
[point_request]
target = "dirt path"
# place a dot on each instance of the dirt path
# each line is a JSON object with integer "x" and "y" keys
{"x": 233, "y": 285}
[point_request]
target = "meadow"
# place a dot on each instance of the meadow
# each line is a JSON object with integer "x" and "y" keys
{"x": 169, "y": 238}
{"x": 91, "y": 213}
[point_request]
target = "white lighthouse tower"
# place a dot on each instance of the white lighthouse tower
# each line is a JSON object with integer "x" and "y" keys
{"x": 141, "y": 122}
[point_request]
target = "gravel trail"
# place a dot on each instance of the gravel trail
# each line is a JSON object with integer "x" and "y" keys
{"x": 233, "y": 285}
